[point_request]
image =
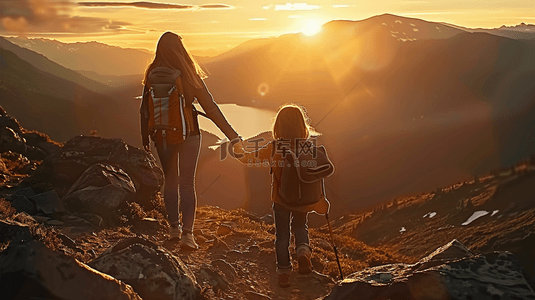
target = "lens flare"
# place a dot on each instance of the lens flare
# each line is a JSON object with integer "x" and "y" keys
{"x": 263, "y": 89}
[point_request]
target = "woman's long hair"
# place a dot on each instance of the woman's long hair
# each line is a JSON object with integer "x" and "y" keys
{"x": 292, "y": 123}
{"x": 171, "y": 53}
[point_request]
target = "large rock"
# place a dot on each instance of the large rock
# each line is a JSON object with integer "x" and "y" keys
{"x": 42, "y": 141}
{"x": 523, "y": 249}
{"x": 81, "y": 152}
{"x": 153, "y": 272}
{"x": 451, "y": 272}
{"x": 32, "y": 271}
{"x": 102, "y": 189}
{"x": 10, "y": 140}
{"x": 14, "y": 232}
{"x": 48, "y": 202}
{"x": 21, "y": 203}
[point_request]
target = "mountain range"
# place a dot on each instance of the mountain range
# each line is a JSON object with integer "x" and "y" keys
{"x": 403, "y": 104}
{"x": 96, "y": 57}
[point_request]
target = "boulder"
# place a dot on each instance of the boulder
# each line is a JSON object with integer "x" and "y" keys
{"x": 213, "y": 277}
{"x": 81, "y": 152}
{"x": 11, "y": 140}
{"x": 99, "y": 175}
{"x": 48, "y": 202}
{"x": 152, "y": 271}
{"x": 102, "y": 189}
{"x": 26, "y": 192}
{"x": 522, "y": 248}
{"x": 41, "y": 141}
{"x": 21, "y": 203}
{"x": 32, "y": 271}
{"x": 450, "y": 272}
{"x": 14, "y": 232}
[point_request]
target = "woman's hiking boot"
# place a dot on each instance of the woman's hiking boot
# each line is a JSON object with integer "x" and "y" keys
{"x": 187, "y": 242}
{"x": 175, "y": 231}
{"x": 303, "y": 258}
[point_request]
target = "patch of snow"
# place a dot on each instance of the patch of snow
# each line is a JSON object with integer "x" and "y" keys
{"x": 430, "y": 215}
{"x": 412, "y": 25}
{"x": 494, "y": 212}
{"x": 407, "y": 40}
{"x": 384, "y": 24}
{"x": 402, "y": 230}
{"x": 476, "y": 215}
{"x": 399, "y": 22}
{"x": 415, "y": 29}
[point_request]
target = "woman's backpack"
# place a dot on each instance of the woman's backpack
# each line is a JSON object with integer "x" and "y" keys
{"x": 302, "y": 176}
{"x": 170, "y": 114}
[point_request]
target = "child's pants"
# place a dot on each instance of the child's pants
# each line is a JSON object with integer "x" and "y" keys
{"x": 282, "y": 232}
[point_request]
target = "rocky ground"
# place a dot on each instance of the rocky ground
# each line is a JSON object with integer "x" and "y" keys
{"x": 415, "y": 226}
{"x": 83, "y": 214}
{"x": 85, "y": 219}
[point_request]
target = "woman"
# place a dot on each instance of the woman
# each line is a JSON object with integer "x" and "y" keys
{"x": 170, "y": 53}
{"x": 291, "y": 126}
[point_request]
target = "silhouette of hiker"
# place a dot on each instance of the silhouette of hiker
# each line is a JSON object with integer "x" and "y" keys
{"x": 291, "y": 125}
{"x": 171, "y": 53}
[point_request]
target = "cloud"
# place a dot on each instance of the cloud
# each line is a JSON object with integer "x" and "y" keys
{"x": 296, "y": 6}
{"x": 155, "y": 5}
{"x": 151, "y": 5}
{"x": 56, "y": 16}
{"x": 47, "y": 16}
{"x": 216, "y": 6}
{"x": 340, "y": 5}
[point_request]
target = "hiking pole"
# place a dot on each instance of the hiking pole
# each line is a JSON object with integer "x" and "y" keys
{"x": 334, "y": 246}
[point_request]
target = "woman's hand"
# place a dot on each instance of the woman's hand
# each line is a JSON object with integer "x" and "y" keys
{"x": 238, "y": 147}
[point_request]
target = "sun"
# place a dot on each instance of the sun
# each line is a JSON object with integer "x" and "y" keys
{"x": 311, "y": 27}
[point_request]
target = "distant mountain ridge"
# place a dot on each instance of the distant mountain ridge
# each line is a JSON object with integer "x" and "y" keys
{"x": 65, "y": 108}
{"x": 521, "y": 31}
{"x": 44, "y": 64}
{"x": 90, "y": 56}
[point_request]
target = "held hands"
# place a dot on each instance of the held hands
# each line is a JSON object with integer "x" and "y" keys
{"x": 238, "y": 146}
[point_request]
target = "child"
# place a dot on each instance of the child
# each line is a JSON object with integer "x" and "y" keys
{"x": 291, "y": 127}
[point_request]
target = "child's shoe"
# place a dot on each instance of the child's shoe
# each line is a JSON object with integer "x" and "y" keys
{"x": 284, "y": 277}
{"x": 303, "y": 258}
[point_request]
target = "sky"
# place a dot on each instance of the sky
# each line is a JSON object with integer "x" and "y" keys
{"x": 211, "y": 27}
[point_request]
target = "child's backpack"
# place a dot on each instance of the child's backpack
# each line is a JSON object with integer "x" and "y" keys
{"x": 302, "y": 175}
{"x": 170, "y": 114}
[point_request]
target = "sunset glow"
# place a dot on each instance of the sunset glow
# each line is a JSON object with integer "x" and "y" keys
{"x": 210, "y": 29}
{"x": 311, "y": 27}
